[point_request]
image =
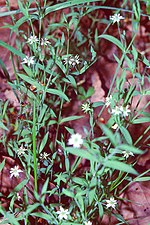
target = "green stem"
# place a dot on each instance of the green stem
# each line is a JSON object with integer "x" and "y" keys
{"x": 34, "y": 145}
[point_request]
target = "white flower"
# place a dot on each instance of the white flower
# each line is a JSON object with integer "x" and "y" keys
{"x": 15, "y": 171}
{"x": 108, "y": 100}
{"x": 111, "y": 203}
{"x": 125, "y": 111}
{"x": 63, "y": 213}
{"x": 75, "y": 140}
{"x": 44, "y": 41}
{"x": 115, "y": 126}
{"x": 21, "y": 150}
{"x": 18, "y": 197}
{"x": 126, "y": 154}
{"x": 28, "y": 60}
{"x": 116, "y": 111}
{"x": 116, "y": 18}
{"x": 32, "y": 39}
{"x": 44, "y": 155}
{"x": 86, "y": 107}
{"x": 72, "y": 60}
{"x": 88, "y": 223}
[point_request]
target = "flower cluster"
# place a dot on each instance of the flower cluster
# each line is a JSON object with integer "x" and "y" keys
{"x": 122, "y": 111}
{"x": 33, "y": 39}
{"x": 116, "y": 18}
{"x": 75, "y": 140}
{"x": 72, "y": 61}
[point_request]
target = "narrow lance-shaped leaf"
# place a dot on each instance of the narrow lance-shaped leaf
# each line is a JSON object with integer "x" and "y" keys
{"x": 109, "y": 134}
{"x": 2, "y": 165}
{"x": 126, "y": 135}
{"x": 3, "y": 126}
{"x": 70, "y": 118}
{"x": 113, "y": 40}
{"x": 120, "y": 166}
{"x": 130, "y": 148}
{"x": 82, "y": 153}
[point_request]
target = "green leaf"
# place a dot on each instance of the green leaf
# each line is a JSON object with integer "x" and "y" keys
{"x": 66, "y": 4}
{"x": 119, "y": 166}
{"x": 67, "y": 192}
{"x": 113, "y": 40}
{"x": 141, "y": 120}
{"x": 80, "y": 181}
{"x": 44, "y": 189}
{"x": 43, "y": 143}
{"x": 130, "y": 148}
{"x": 28, "y": 70}
{"x": 44, "y": 216}
{"x": 59, "y": 93}
{"x": 72, "y": 81}
{"x": 126, "y": 135}
{"x": 91, "y": 195}
{"x": 93, "y": 53}
{"x": 3, "y": 126}
{"x": 101, "y": 210}
{"x": 70, "y": 118}
{"x": 109, "y": 134}
{"x": 18, "y": 187}
{"x": 82, "y": 153}
{"x": 4, "y": 69}
{"x": 141, "y": 179}
{"x": 11, "y": 49}
{"x": 2, "y": 165}
{"x": 12, "y": 219}
{"x": 120, "y": 218}
{"x": 90, "y": 92}
{"x": 31, "y": 208}
{"x": 96, "y": 104}
{"x": 31, "y": 81}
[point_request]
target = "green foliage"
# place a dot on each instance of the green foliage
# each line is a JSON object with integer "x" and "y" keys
{"x": 60, "y": 167}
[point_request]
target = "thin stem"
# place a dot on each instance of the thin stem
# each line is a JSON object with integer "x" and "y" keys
{"x": 34, "y": 145}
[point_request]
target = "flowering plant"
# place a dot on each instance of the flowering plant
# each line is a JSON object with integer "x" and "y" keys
{"x": 73, "y": 155}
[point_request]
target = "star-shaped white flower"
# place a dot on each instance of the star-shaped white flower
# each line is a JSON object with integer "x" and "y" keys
{"x": 86, "y": 107}
{"x": 126, "y": 154}
{"x": 15, "y": 171}
{"x": 111, "y": 203}
{"x": 75, "y": 140}
{"x": 116, "y": 111}
{"x": 125, "y": 110}
{"x": 32, "y": 39}
{"x": 44, "y": 156}
{"x": 21, "y": 150}
{"x": 72, "y": 60}
{"x": 28, "y": 60}
{"x": 88, "y": 223}
{"x": 116, "y": 18}
{"x": 44, "y": 41}
{"x": 63, "y": 213}
{"x": 108, "y": 100}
